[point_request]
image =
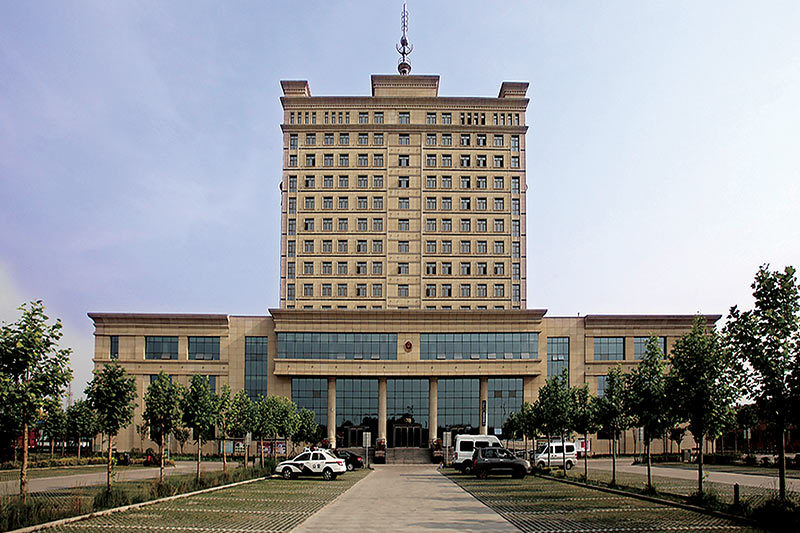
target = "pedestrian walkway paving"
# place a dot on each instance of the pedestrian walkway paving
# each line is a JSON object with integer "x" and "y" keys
{"x": 406, "y": 498}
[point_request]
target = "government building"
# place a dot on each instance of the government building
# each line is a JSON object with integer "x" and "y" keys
{"x": 403, "y": 308}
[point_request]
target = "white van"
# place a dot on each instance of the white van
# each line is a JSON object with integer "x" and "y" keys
{"x": 466, "y": 444}
{"x": 559, "y": 456}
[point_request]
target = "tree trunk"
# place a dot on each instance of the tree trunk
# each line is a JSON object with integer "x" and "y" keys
{"x": 63, "y": 445}
{"x": 548, "y": 450}
{"x": 52, "y": 447}
{"x": 23, "y": 472}
{"x": 613, "y": 461}
{"x": 199, "y": 447}
{"x": 586, "y": 457}
{"x": 564, "y": 453}
{"x": 224, "y": 457}
{"x": 700, "y": 466}
{"x": 782, "y": 463}
{"x": 161, "y": 460}
{"x": 649, "y": 464}
{"x": 261, "y": 446}
{"x": 79, "y": 449}
{"x": 108, "y": 470}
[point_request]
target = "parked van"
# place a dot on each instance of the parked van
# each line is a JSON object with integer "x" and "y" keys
{"x": 559, "y": 456}
{"x": 466, "y": 444}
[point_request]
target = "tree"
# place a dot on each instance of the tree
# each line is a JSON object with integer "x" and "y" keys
{"x": 307, "y": 429}
{"x": 702, "y": 384}
{"x": 81, "y": 422}
{"x": 263, "y": 427}
{"x": 768, "y": 338}
{"x": 529, "y": 421}
{"x": 584, "y": 419}
{"x": 112, "y": 395}
{"x": 747, "y": 418}
{"x": 199, "y": 414}
{"x": 646, "y": 398}
{"x": 242, "y": 419}
{"x": 554, "y": 406}
{"x": 162, "y": 413}
{"x": 54, "y": 424}
{"x": 33, "y": 368}
{"x": 285, "y": 422}
{"x": 222, "y": 407}
{"x": 181, "y": 435}
{"x": 611, "y": 414}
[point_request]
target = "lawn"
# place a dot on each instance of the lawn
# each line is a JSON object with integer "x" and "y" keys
{"x": 540, "y": 504}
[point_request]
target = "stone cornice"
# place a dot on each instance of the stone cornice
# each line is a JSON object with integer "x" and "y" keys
{"x": 331, "y": 368}
{"x": 380, "y": 103}
{"x": 645, "y": 321}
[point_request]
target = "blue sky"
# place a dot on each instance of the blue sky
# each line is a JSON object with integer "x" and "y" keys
{"x": 140, "y": 147}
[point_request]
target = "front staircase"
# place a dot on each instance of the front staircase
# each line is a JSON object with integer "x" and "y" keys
{"x": 408, "y": 456}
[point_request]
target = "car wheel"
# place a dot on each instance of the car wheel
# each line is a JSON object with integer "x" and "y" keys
{"x": 570, "y": 464}
{"x": 287, "y": 473}
{"x": 350, "y": 467}
{"x": 467, "y": 469}
{"x": 518, "y": 474}
{"x": 328, "y": 475}
{"x": 482, "y": 473}
{"x": 540, "y": 465}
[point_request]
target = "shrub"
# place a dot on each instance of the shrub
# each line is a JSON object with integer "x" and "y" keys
{"x": 750, "y": 460}
{"x": 778, "y": 515}
{"x": 766, "y": 461}
{"x": 708, "y": 499}
{"x": 107, "y": 499}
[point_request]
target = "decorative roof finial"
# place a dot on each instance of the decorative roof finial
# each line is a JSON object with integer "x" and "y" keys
{"x": 404, "y": 48}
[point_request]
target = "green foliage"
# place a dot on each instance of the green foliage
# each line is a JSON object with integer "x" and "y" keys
{"x": 242, "y": 415}
{"x": 199, "y": 408}
{"x": 81, "y": 420}
{"x": 54, "y": 424}
{"x": 612, "y": 416}
{"x": 112, "y": 395}
{"x": 263, "y": 426}
{"x": 584, "y": 409}
{"x": 110, "y": 498}
{"x": 529, "y": 420}
{"x": 161, "y": 408}
{"x": 307, "y": 429}
{"x": 286, "y": 416}
{"x": 222, "y": 407}
{"x": 512, "y": 426}
{"x": 646, "y": 394}
{"x": 747, "y": 416}
{"x": 554, "y": 405}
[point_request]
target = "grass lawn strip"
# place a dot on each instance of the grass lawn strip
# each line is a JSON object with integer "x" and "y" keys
{"x": 267, "y": 505}
{"x": 539, "y": 504}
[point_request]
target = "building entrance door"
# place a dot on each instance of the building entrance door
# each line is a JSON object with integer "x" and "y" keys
{"x": 407, "y": 436}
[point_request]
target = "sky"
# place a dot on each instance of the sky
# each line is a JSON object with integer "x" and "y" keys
{"x": 140, "y": 144}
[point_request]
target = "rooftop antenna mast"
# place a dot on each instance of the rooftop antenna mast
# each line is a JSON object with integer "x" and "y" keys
{"x": 404, "y": 48}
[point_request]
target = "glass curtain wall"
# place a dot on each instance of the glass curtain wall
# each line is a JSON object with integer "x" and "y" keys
{"x": 356, "y": 411}
{"x": 505, "y": 397}
{"x": 312, "y": 393}
{"x": 255, "y": 366}
{"x": 459, "y": 406}
{"x": 407, "y": 412}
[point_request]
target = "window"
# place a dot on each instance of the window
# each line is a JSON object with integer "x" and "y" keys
{"x": 291, "y": 228}
{"x": 430, "y": 139}
{"x": 291, "y": 249}
{"x": 308, "y": 224}
{"x": 557, "y": 355}
{"x": 430, "y": 269}
{"x": 291, "y": 119}
{"x": 466, "y": 247}
{"x": 377, "y": 181}
{"x": 293, "y": 141}
{"x": 430, "y": 182}
{"x": 498, "y": 225}
{"x": 402, "y": 291}
{"x": 290, "y": 270}
{"x": 377, "y": 268}
{"x": 377, "y": 224}
{"x": 447, "y": 204}
{"x": 447, "y": 182}
{"x": 311, "y": 139}
{"x": 498, "y": 161}
{"x": 609, "y": 348}
{"x": 377, "y": 202}
{"x": 363, "y": 181}
{"x": 480, "y": 204}
{"x": 326, "y": 290}
{"x": 114, "y": 347}
{"x": 402, "y": 247}
{"x": 342, "y": 246}
{"x": 480, "y": 290}
{"x": 465, "y": 182}
{"x": 447, "y": 224}
{"x": 290, "y": 291}
{"x": 404, "y": 117}
{"x": 343, "y": 202}
{"x": 465, "y": 225}
{"x": 430, "y": 118}
{"x": 378, "y": 117}
{"x": 402, "y": 268}
{"x": 447, "y": 160}
{"x": 447, "y": 118}
{"x": 447, "y": 290}
{"x": 430, "y": 290}
{"x": 344, "y": 160}
{"x": 403, "y": 224}
{"x": 480, "y": 182}
{"x": 308, "y": 247}
{"x": 361, "y": 268}
{"x": 465, "y": 137}
{"x": 328, "y": 140}
{"x": 515, "y": 271}
{"x": 465, "y": 290}
{"x": 310, "y": 160}
{"x": 362, "y": 224}
{"x": 480, "y": 161}
{"x": 430, "y": 160}
{"x": 327, "y": 247}
{"x": 292, "y": 183}
{"x": 377, "y": 290}
{"x": 499, "y": 290}
{"x": 447, "y": 139}
{"x": 327, "y": 202}
{"x": 361, "y": 290}
{"x": 327, "y": 268}
{"x": 640, "y": 346}
{"x": 377, "y": 139}
{"x": 377, "y": 160}
{"x": 292, "y": 207}
{"x": 361, "y": 246}
{"x": 464, "y": 160}
{"x": 402, "y": 203}
{"x": 480, "y": 247}
{"x": 499, "y": 247}
{"x": 402, "y": 182}
{"x": 515, "y": 185}
{"x": 465, "y": 269}
{"x": 363, "y": 118}
{"x": 327, "y": 182}
{"x": 363, "y": 139}
{"x": 515, "y": 292}
{"x": 404, "y": 139}
{"x": 342, "y": 224}
{"x": 403, "y": 160}
{"x": 363, "y": 160}
{"x": 515, "y": 249}
{"x": 327, "y": 160}
{"x": 499, "y": 269}
{"x": 447, "y": 247}
{"x": 515, "y": 228}
{"x": 514, "y": 161}
{"x": 377, "y": 246}
{"x": 447, "y": 269}
{"x": 344, "y": 139}
{"x": 308, "y": 289}
{"x": 499, "y": 204}
{"x": 480, "y": 140}
{"x": 498, "y": 140}
{"x": 430, "y": 247}
{"x": 480, "y": 225}
{"x": 341, "y": 289}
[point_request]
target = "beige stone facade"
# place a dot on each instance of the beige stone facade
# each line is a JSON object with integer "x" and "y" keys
{"x": 403, "y": 199}
{"x": 410, "y": 332}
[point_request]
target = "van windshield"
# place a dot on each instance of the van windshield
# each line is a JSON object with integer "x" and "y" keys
{"x": 542, "y": 448}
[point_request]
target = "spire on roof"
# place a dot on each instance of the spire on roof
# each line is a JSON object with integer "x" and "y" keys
{"x": 404, "y": 48}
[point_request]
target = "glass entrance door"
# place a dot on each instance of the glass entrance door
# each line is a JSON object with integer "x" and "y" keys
{"x": 407, "y": 436}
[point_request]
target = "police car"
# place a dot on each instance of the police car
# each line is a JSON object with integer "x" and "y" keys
{"x": 312, "y": 463}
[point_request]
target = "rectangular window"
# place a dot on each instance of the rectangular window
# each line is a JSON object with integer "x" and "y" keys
{"x": 343, "y": 202}
{"x": 114, "y": 348}
{"x": 480, "y": 161}
{"x": 377, "y": 139}
{"x": 514, "y": 161}
{"x": 609, "y": 348}
{"x": 377, "y": 224}
{"x": 363, "y": 118}
{"x": 404, "y": 139}
{"x": 378, "y": 117}
{"x": 481, "y": 139}
{"x": 447, "y": 204}
{"x": 310, "y": 160}
{"x": 430, "y": 247}
{"x": 377, "y": 202}
{"x": 465, "y": 225}
{"x": 403, "y": 224}
{"x": 430, "y": 139}
{"x": 327, "y": 202}
{"x": 557, "y": 355}
{"x": 402, "y": 247}
{"x": 465, "y": 290}
{"x": 465, "y": 269}
{"x": 515, "y": 206}
{"x": 447, "y": 118}
{"x": 327, "y": 247}
{"x": 404, "y": 117}
{"x": 327, "y": 290}
{"x": 447, "y": 269}
{"x": 377, "y": 268}
{"x": 402, "y": 268}
{"x": 377, "y": 290}
{"x": 403, "y": 182}
{"x": 342, "y": 247}
{"x": 464, "y": 160}
{"x": 515, "y": 249}
{"x": 430, "y": 182}
{"x": 344, "y": 160}
{"x": 402, "y": 291}
{"x": 327, "y": 160}
{"x": 308, "y": 247}
{"x": 292, "y": 183}
{"x": 327, "y": 268}
{"x": 481, "y": 269}
{"x": 515, "y": 293}
{"x": 515, "y": 271}
{"x": 447, "y": 247}
{"x": 344, "y": 139}
{"x": 499, "y": 269}
{"x": 430, "y": 290}
{"x": 447, "y": 160}
{"x": 466, "y": 247}
{"x": 465, "y": 204}
{"x": 480, "y": 290}
{"x": 361, "y": 246}
{"x": 498, "y": 161}
{"x": 640, "y": 345}
{"x": 362, "y": 202}
{"x": 291, "y": 228}
{"x": 291, "y": 249}
{"x": 293, "y": 141}
{"x": 430, "y": 269}
{"x": 447, "y": 182}
{"x": 342, "y": 224}
{"x": 430, "y": 118}
{"x": 430, "y": 160}
{"x": 498, "y": 140}
{"x": 311, "y": 139}
{"x": 447, "y": 224}
{"x": 308, "y": 224}
{"x": 402, "y": 203}
{"x": 363, "y": 160}
{"x": 377, "y": 246}
{"x": 255, "y": 366}
{"x": 361, "y": 290}
{"x": 499, "y": 204}
{"x": 327, "y": 182}
{"x": 498, "y": 225}
{"x": 161, "y": 348}
{"x": 361, "y": 268}
{"x": 499, "y": 247}
{"x": 447, "y": 290}
{"x": 290, "y": 270}
{"x": 499, "y": 290}
{"x": 341, "y": 289}
{"x": 465, "y": 137}
{"x": 362, "y": 224}
{"x": 403, "y": 160}
{"x": 377, "y": 181}
{"x": 377, "y": 160}
{"x": 363, "y": 181}
{"x": 308, "y": 290}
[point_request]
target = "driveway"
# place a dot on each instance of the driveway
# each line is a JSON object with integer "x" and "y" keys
{"x": 99, "y": 478}
{"x": 406, "y": 498}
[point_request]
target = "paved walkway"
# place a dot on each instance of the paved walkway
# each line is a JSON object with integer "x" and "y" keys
{"x": 746, "y": 480}
{"x": 99, "y": 477}
{"x": 406, "y": 498}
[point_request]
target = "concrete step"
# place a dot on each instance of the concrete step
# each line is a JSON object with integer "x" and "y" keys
{"x": 408, "y": 456}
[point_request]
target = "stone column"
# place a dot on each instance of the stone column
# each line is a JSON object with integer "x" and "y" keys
{"x": 484, "y": 406}
{"x": 381, "y": 408}
{"x": 332, "y": 412}
{"x": 433, "y": 407}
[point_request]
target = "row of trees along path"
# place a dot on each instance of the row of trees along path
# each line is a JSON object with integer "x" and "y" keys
{"x": 34, "y": 373}
{"x": 754, "y": 358}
